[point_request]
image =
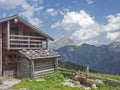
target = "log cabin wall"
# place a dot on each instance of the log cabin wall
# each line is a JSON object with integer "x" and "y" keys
{"x": 35, "y": 68}
{"x": 44, "y": 66}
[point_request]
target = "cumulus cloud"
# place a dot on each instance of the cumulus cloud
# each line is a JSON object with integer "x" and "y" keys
{"x": 74, "y": 19}
{"x": 80, "y": 23}
{"x": 113, "y": 22}
{"x": 29, "y": 15}
{"x": 113, "y": 35}
{"x": 84, "y": 28}
{"x": 51, "y": 11}
{"x": 10, "y": 4}
{"x": 27, "y": 10}
{"x": 84, "y": 34}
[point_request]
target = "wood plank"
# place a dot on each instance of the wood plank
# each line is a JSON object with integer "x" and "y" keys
{"x": 42, "y": 74}
{"x": 26, "y": 40}
{"x": 44, "y": 65}
{"x": 24, "y": 44}
{"x": 20, "y": 48}
{"x": 24, "y": 36}
{"x": 44, "y": 71}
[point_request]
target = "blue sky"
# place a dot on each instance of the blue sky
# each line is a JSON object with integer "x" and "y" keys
{"x": 84, "y": 21}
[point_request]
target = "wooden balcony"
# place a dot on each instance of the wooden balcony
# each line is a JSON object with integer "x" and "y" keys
{"x": 26, "y": 42}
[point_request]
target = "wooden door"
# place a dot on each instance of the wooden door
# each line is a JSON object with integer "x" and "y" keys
{"x": 23, "y": 68}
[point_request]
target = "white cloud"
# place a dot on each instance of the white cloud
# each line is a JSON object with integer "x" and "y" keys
{"x": 80, "y": 23}
{"x": 29, "y": 15}
{"x": 84, "y": 28}
{"x": 28, "y": 11}
{"x": 90, "y": 1}
{"x": 113, "y": 22}
{"x": 51, "y": 11}
{"x": 75, "y": 20}
{"x": 64, "y": 11}
{"x": 10, "y": 4}
{"x": 113, "y": 35}
{"x": 84, "y": 34}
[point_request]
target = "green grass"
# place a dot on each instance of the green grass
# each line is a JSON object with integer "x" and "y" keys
{"x": 51, "y": 82}
{"x": 107, "y": 87}
{"x": 116, "y": 77}
{"x": 55, "y": 82}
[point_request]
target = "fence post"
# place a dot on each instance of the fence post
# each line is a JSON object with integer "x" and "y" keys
{"x": 87, "y": 71}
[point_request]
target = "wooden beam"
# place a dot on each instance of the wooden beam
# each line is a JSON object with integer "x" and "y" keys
{"x": 24, "y": 36}
{"x": 8, "y": 35}
{"x": 47, "y": 44}
{"x": 56, "y": 64}
{"x": 0, "y": 50}
{"x": 32, "y": 68}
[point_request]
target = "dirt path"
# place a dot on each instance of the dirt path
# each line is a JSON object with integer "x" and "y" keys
{"x": 7, "y": 83}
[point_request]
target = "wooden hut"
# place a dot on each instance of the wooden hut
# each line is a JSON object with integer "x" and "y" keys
{"x": 24, "y": 49}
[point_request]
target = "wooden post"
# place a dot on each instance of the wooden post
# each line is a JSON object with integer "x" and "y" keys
{"x": 28, "y": 42}
{"x": 0, "y": 50}
{"x": 47, "y": 44}
{"x": 87, "y": 71}
{"x": 32, "y": 68}
{"x": 8, "y": 35}
{"x": 56, "y": 64}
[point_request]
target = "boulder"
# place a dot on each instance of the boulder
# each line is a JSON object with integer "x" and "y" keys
{"x": 94, "y": 86}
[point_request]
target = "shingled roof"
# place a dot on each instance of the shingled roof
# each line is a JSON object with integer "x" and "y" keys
{"x": 38, "y": 54}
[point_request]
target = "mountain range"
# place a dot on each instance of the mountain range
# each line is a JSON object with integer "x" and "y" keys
{"x": 104, "y": 58}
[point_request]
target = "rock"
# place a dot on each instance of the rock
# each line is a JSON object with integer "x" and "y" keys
{"x": 69, "y": 84}
{"x": 98, "y": 82}
{"x": 86, "y": 88}
{"x": 94, "y": 86}
{"x": 76, "y": 77}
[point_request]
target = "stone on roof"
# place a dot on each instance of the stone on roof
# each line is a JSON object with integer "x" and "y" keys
{"x": 37, "y": 54}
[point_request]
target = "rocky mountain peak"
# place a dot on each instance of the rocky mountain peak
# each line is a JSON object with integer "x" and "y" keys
{"x": 64, "y": 41}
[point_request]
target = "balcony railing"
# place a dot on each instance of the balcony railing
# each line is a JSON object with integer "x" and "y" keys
{"x": 26, "y": 42}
